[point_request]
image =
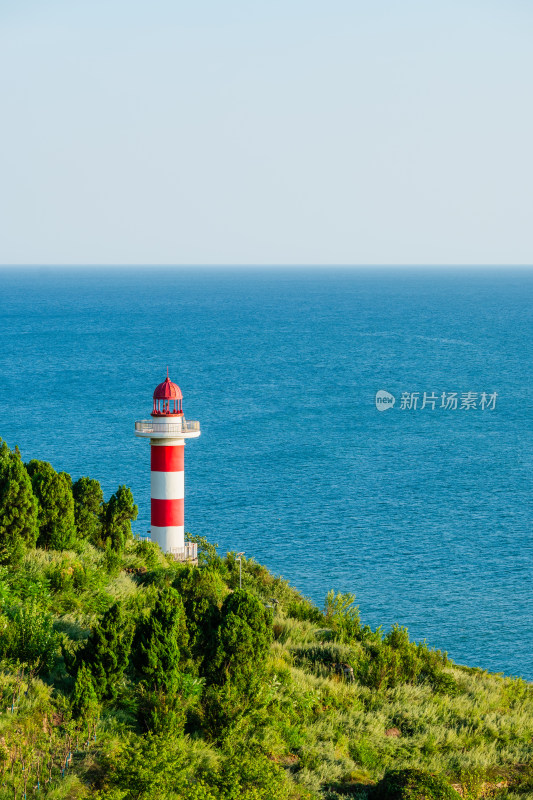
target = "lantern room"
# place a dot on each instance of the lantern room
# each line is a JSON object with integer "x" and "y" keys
{"x": 167, "y": 399}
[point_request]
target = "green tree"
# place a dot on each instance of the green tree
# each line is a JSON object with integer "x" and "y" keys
{"x": 106, "y": 653}
{"x": 88, "y": 500}
{"x": 117, "y": 516}
{"x": 53, "y": 490}
{"x": 235, "y": 667}
{"x": 18, "y": 507}
{"x": 242, "y": 640}
{"x": 85, "y": 706}
{"x": 203, "y": 591}
{"x": 161, "y": 659}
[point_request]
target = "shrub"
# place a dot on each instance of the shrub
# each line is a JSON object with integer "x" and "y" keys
{"x": 324, "y": 654}
{"x": 152, "y": 766}
{"x": 207, "y": 552}
{"x": 390, "y": 660}
{"x": 343, "y": 615}
{"x": 61, "y": 575}
{"x": 365, "y": 754}
{"x": 148, "y": 551}
{"x": 523, "y": 781}
{"x": 305, "y": 610}
{"x": 29, "y": 637}
{"x": 444, "y": 683}
{"x": 248, "y": 774}
{"x": 29, "y": 581}
{"x": 112, "y": 561}
{"x": 414, "y": 784}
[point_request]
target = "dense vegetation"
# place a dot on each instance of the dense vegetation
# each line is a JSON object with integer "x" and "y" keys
{"x": 126, "y": 675}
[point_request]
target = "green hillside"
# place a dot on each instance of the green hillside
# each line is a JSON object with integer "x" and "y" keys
{"x": 126, "y": 675}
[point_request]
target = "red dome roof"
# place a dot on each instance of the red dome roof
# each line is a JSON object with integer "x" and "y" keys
{"x": 168, "y": 391}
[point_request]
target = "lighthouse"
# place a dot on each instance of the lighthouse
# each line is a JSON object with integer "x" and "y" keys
{"x": 167, "y": 430}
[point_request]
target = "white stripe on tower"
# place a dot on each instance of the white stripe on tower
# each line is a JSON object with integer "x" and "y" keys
{"x": 167, "y": 495}
{"x": 168, "y": 485}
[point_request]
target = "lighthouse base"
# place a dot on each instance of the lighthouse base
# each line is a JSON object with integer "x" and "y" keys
{"x": 170, "y": 538}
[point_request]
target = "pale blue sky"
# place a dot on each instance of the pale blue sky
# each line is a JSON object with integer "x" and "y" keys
{"x": 281, "y": 132}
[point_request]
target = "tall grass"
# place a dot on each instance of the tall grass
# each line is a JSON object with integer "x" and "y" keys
{"x": 407, "y": 707}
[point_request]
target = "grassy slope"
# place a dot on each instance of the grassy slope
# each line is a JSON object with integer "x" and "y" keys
{"x": 330, "y": 736}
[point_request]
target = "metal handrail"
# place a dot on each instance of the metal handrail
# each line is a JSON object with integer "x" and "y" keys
{"x": 148, "y": 426}
{"x": 187, "y": 553}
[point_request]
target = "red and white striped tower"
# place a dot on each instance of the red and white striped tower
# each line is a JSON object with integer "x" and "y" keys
{"x": 167, "y": 431}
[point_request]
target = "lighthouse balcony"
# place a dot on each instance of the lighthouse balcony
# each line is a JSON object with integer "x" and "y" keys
{"x": 180, "y": 429}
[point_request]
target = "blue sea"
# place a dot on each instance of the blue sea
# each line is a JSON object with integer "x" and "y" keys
{"x": 424, "y": 513}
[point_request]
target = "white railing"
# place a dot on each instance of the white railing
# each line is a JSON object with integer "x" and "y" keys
{"x": 148, "y": 426}
{"x": 187, "y": 553}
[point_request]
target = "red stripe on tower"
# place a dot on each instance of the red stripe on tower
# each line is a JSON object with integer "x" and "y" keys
{"x": 168, "y": 459}
{"x": 167, "y": 512}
